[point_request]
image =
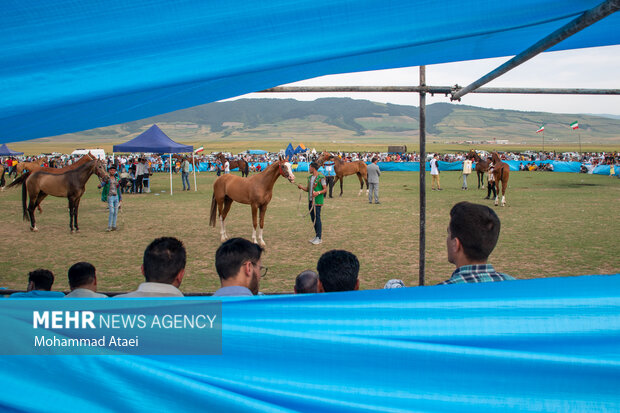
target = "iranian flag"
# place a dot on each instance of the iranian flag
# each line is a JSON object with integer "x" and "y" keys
{"x": 574, "y": 125}
{"x": 202, "y": 148}
{"x": 542, "y": 128}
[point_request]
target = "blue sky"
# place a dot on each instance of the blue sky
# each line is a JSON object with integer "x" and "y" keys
{"x": 597, "y": 67}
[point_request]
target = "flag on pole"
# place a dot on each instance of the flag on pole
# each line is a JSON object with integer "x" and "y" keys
{"x": 198, "y": 150}
{"x": 574, "y": 125}
{"x": 542, "y": 128}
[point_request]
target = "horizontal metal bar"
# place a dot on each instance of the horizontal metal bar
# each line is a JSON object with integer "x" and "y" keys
{"x": 439, "y": 89}
{"x": 586, "y": 19}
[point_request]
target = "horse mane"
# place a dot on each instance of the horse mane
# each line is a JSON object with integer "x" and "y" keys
{"x": 75, "y": 169}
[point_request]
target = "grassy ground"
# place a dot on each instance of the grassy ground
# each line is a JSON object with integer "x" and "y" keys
{"x": 555, "y": 224}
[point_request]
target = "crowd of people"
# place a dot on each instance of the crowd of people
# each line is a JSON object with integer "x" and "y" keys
{"x": 473, "y": 232}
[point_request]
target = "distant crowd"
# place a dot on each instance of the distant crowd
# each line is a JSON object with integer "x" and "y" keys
{"x": 473, "y": 232}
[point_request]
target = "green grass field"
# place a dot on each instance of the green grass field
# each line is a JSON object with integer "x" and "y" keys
{"x": 554, "y": 224}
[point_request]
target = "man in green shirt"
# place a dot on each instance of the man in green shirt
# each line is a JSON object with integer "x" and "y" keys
{"x": 316, "y": 188}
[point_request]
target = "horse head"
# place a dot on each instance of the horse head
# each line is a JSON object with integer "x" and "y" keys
{"x": 285, "y": 169}
{"x": 100, "y": 170}
{"x": 495, "y": 157}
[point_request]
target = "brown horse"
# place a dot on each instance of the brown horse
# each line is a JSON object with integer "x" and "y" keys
{"x": 34, "y": 166}
{"x": 71, "y": 185}
{"x": 343, "y": 169}
{"x": 2, "y": 180}
{"x": 501, "y": 172}
{"x": 482, "y": 166}
{"x": 255, "y": 191}
{"x": 240, "y": 163}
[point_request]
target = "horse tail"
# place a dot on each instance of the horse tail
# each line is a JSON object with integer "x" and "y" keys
{"x": 213, "y": 211}
{"x": 247, "y": 168}
{"x": 26, "y": 216}
{"x": 19, "y": 180}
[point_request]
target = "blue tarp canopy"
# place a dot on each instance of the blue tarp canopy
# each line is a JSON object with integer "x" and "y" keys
{"x": 257, "y": 152}
{"x": 299, "y": 149}
{"x": 289, "y": 152}
{"x": 5, "y": 151}
{"x": 153, "y": 140}
{"x": 75, "y": 65}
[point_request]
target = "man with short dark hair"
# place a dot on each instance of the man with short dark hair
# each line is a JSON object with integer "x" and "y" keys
{"x": 307, "y": 282}
{"x": 239, "y": 266}
{"x": 338, "y": 271}
{"x": 316, "y": 189}
{"x": 163, "y": 267}
{"x": 373, "y": 180}
{"x": 472, "y": 235}
{"x": 83, "y": 281}
{"x": 39, "y": 286}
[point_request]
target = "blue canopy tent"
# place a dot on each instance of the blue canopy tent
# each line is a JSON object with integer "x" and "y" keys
{"x": 5, "y": 151}
{"x": 155, "y": 140}
{"x": 289, "y": 152}
{"x": 300, "y": 149}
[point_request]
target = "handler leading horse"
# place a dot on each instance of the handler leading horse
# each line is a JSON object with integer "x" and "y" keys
{"x": 255, "y": 191}
{"x": 71, "y": 185}
{"x": 482, "y": 166}
{"x": 239, "y": 163}
{"x": 343, "y": 169}
{"x": 501, "y": 172}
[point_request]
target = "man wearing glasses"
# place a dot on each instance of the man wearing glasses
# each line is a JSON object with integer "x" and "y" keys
{"x": 238, "y": 264}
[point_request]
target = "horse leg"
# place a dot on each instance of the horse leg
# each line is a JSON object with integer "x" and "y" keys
{"x": 254, "y": 222}
{"x": 76, "y": 206}
{"x": 71, "y": 215}
{"x": 504, "y": 186}
{"x": 359, "y": 176}
{"x": 227, "y": 203}
{"x": 341, "y": 180}
{"x": 263, "y": 209}
{"x": 33, "y": 206}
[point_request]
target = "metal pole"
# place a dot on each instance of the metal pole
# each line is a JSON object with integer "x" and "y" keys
{"x": 194, "y": 167}
{"x": 586, "y": 19}
{"x": 579, "y": 143}
{"x": 440, "y": 90}
{"x": 170, "y": 158}
{"x": 422, "y": 176}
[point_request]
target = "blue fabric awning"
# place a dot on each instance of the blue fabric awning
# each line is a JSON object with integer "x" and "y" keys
{"x": 70, "y": 66}
{"x": 153, "y": 140}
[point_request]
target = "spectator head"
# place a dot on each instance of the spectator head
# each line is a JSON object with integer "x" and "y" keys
{"x": 40, "y": 280}
{"x": 82, "y": 275}
{"x": 307, "y": 282}
{"x": 164, "y": 261}
{"x": 374, "y": 159}
{"x": 112, "y": 169}
{"x": 313, "y": 167}
{"x": 472, "y": 233}
{"x": 395, "y": 283}
{"x": 238, "y": 263}
{"x": 338, "y": 270}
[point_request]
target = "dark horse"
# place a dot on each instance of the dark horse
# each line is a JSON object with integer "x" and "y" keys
{"x": 241, "y": 164}
{"x": 343, "y": 169}
{"x": 71, "y": 185}
{"x": 482, "y": 166}
{"x": 255, "y": 191}
{"x": 501, "y": 172}
{"x": 2, "y": 180}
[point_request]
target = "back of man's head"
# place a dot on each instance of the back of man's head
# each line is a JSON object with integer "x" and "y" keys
{"x": 477, "y": 227}
{"x": 41, "y": 279}
{"x": 163, "y": 259}
{"x": 338, "y": 271}
{"x": 81, "y": 274}
{"x": 233, "y": 253}
{"x": 306, "y": 282}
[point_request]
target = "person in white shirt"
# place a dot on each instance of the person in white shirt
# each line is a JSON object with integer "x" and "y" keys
{"x": 435, "y": 173}
{"x": 226, "y": 167}
{"x": 466, "y": 171}
{"x": 83, "y": 281}
{"x": 163, "y": 267}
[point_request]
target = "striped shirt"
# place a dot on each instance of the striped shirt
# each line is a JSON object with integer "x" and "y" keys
{"x": 478, "y": 273}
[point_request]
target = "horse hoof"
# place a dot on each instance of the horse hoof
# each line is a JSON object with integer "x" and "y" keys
{"x": 77, "y": 231}
{"x": 34, "y": 229}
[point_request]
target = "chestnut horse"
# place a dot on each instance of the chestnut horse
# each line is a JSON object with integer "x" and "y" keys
{"x": 501, "y": 172}
{"x": 240, "y": 163}
{"x": 34, "y": 166}
{"x": 71, "y": 185}
{"x": 343, "y": 169}
{"x": 482, "y": 166}
{"x": 255, "y": 191}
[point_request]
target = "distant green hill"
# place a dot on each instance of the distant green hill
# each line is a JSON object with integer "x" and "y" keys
{"x": 363, "y": 121}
